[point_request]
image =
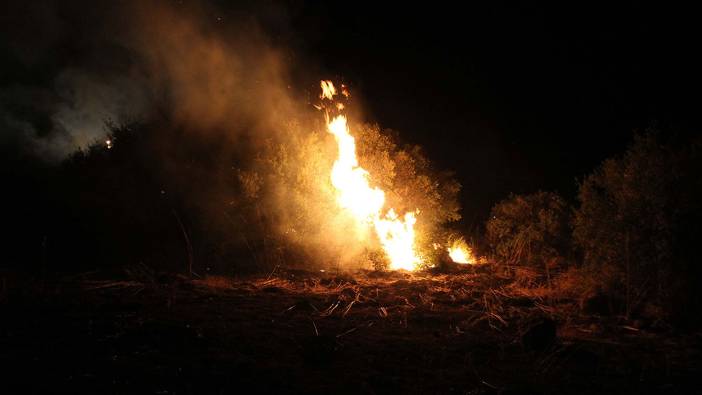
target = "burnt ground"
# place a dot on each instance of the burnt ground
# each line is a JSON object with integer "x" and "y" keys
{"x": 471, "y": 332}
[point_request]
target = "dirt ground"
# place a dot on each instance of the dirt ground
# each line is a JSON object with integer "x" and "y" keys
{"x": 301, "y": 332}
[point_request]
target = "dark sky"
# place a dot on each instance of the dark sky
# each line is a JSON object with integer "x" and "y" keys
{"x": 512, "y": 98}
{"x": 515, "y": 98}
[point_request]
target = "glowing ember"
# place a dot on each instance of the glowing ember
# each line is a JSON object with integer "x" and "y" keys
{"x": 365, "y": 203}
{"x": 460, "y": 252}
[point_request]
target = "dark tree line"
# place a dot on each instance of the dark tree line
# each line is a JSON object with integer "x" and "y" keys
{"x": 632, "y": 234}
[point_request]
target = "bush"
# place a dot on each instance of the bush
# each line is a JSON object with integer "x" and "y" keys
{"x": 290, "y": 182}
{"x": 530, "y": 230}
{"x": 172, "y": 197}
{"x": 411, "y": 183}
{"x": 637, "y": 224}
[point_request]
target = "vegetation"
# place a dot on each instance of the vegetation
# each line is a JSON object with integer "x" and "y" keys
{"x": 632, "y": 234}
{"x": 530, "y": 230}
{"x": 636, "y": 224}
{"x": 182, "y": 200}
{"x": 196, "y": 205}
{"x": 289, "y": 181}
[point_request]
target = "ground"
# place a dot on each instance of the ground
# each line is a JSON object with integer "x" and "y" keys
{"x": 466, "y": 332}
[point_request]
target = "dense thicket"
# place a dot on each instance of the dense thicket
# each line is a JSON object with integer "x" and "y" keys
{"x": 197, "y": 200}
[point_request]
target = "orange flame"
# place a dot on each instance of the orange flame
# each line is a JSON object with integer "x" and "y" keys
{"x": 460, "y": 252}
{"x": 328, "y": 90}
{"x": 364, "y": 202}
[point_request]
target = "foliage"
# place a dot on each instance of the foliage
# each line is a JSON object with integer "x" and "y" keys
{"x": 170, "y": 196}
{"x": 411, "y": 183}
{"x": 292, "y": 178}
{"x": 284, "y": 195}
{"x": 529, "y": 229}
{"x": 638, "y": 220}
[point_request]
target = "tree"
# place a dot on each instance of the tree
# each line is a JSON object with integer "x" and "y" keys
{"x": 637, "y": 222}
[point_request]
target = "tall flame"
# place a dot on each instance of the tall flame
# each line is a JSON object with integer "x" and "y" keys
{"x": 365, "y": 203}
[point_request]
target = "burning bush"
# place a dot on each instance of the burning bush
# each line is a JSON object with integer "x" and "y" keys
{"x": 292, "y": 179}
{"x": 410, "y": 182}
{"x": 216, "y": 207}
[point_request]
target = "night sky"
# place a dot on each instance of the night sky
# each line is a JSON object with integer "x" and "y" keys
{"x": 512, "y": 98}
{"x": 517, "y": 99}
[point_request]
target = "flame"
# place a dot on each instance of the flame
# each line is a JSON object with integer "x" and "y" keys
{"x": 460, "y": 252}
{"x": 366, "y": 203}
{"x": 328, "y": 90}
{"x": 397, "y": 239}
{"x": 350, "y": 180}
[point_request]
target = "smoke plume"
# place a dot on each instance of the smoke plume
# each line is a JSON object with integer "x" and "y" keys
{"x": 191, "y": 63}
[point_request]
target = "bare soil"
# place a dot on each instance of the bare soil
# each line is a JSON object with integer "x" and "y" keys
{"x": 470, "y": 332}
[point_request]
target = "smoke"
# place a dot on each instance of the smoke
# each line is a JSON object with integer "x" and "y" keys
{"x": 231, "y": 143}
{"x": 85, "y": 65}
{"x": 228, "y": 83}
{"x": 213, "y": 74}
{"x": 50, "y": 123}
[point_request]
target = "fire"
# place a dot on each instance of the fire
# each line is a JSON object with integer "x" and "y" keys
{"x": 460, "y": 252}
{"x": 350, "y": 180}
{"x": 328, "y": 90}
{"x": 397, "y": 238}
{"x": 366, "y": 203}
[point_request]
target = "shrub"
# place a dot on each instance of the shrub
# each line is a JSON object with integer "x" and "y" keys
{"x": 290, "y": 182}
{"x": 170, "y": 197}
{"x": 411, "y": 183}
{"x": 530, "y": 230}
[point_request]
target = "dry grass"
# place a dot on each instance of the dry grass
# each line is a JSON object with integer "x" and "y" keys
{"x": 427, "y": 332}
{"x": 215, "y": 282}
{"x": 470, "y": 299}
